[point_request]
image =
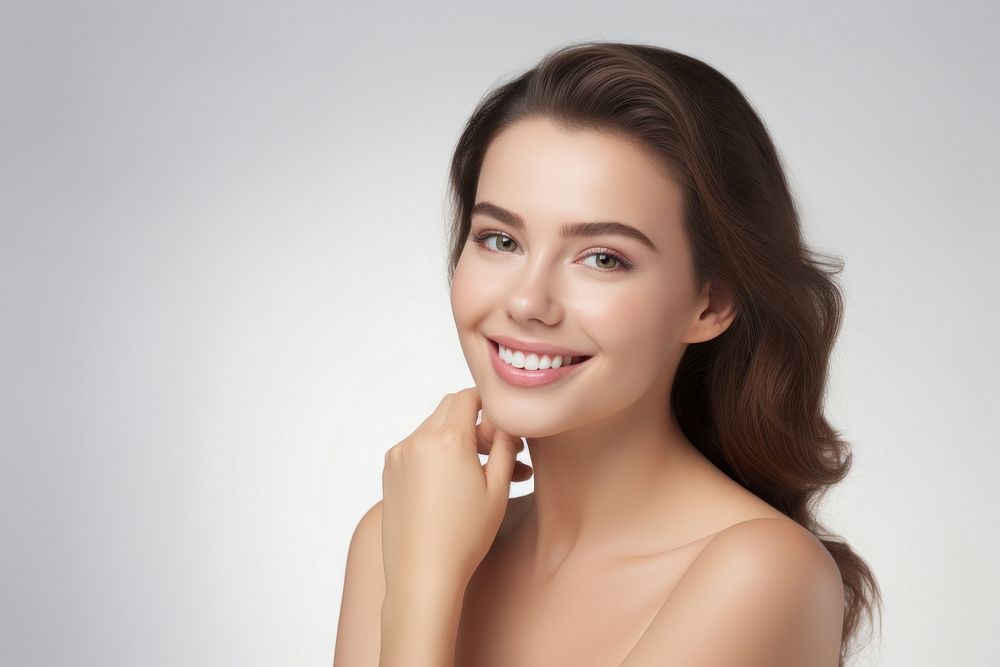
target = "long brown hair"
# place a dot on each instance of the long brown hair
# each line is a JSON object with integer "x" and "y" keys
{"x": 750, "y": 399}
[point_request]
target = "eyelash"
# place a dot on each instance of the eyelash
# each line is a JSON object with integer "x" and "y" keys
{"x": 625, "y": 264}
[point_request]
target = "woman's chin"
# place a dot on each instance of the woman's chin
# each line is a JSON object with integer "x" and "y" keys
{"x": 526, "y": 429}
{"x": 524, "y": 418}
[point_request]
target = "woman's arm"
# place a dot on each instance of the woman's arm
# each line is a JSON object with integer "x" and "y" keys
{"x": 442, "y": 509}
{"x": 420, "y": 623}
{"x": 414, "y": 624}
{"x": 358, "y": 639}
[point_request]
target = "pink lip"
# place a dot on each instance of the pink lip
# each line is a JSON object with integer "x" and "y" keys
{"x": 523, "y": 377}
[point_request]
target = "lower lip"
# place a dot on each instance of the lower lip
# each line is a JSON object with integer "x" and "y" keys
{"x": 525, "y": 378}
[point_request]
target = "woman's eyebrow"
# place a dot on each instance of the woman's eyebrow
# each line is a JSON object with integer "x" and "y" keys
{"x": 569, "y": 230}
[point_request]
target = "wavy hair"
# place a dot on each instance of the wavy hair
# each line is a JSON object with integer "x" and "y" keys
{"x": 749, "y": 399}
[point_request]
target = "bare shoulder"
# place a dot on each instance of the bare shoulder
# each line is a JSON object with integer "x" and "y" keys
{"x": 766, "y": 546}
{"x": 360, "y": 626}
{"x": 762, "y": 592}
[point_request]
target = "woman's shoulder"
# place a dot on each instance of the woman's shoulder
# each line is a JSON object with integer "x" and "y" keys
{"x": 766, "y": 548}
{"x": 769, "y": 581}
{"x": 762, "y": 541}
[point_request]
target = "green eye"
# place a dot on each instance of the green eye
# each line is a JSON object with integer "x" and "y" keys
{"x": 608, "y": 257}
{"x": 622, "y": 264}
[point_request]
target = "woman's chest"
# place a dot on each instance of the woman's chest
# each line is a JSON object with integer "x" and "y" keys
{"x": 581, "y": 619}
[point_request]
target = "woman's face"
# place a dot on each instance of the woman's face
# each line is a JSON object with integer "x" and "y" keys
{"x": 532, "y": 283}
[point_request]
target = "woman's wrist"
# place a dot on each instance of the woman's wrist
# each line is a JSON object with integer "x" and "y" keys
{"x": 420, "y": 623}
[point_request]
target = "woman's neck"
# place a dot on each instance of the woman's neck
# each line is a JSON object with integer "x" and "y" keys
{"x": 597, "y": 488}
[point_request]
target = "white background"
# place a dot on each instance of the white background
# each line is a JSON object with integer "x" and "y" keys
{"x": 223, "y": 296}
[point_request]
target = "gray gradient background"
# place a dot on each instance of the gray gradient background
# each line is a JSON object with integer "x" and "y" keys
{"x": 222, "y": 282}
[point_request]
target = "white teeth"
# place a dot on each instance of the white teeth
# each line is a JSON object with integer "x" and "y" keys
{"x": 531, "y": 361}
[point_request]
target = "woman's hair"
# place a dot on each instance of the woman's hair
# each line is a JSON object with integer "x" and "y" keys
{"x": 751, "y": 398}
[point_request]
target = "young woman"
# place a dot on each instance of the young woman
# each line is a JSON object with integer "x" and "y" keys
{"x": 633, "y": 297}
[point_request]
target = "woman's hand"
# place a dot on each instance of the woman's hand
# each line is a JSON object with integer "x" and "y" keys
{"x": 441, "y": 508}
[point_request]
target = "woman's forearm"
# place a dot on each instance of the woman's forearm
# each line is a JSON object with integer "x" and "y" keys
{"x": 420, "y": 625}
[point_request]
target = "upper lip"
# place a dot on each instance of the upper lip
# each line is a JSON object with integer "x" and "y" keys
{"x": 536, "y": 347}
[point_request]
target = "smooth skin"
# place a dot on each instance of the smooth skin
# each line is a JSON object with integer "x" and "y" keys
{"x": 441, "y": 511}
{"x": 633, "y": 549}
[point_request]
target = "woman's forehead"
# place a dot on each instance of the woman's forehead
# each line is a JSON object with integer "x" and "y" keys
{"x": 548, "y": 174}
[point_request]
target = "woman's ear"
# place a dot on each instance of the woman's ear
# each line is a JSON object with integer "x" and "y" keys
{"x": 714, "y": 311}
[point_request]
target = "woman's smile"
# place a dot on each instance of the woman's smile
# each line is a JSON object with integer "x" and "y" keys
{"x": 531, "y": 370}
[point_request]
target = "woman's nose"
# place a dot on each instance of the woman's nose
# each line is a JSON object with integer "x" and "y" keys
{"x": 534, "y": 295}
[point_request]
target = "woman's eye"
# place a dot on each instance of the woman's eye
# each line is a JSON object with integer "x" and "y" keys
{"x": 603, "y": 259}
{"x": 503, "y": 243}
{"x": 603, "y": 256}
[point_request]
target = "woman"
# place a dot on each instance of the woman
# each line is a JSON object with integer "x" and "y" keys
{"x": 633, "y": 297}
